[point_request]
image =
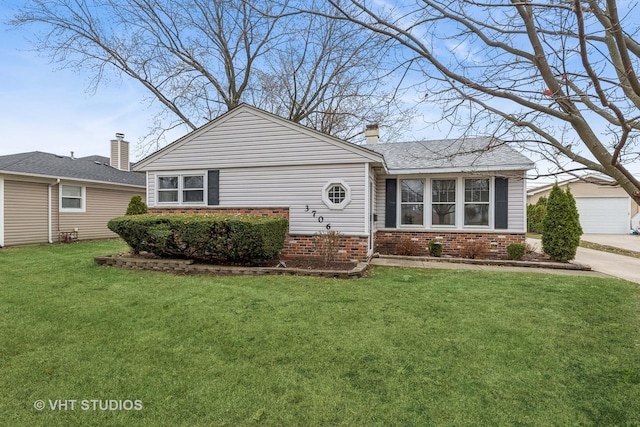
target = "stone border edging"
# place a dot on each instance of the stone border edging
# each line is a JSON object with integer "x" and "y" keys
{"x": 185, "y": 266}
{"x": 505, "y": 262}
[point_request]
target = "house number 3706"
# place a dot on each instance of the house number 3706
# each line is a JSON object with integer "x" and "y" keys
{"x": 320, "y": 218}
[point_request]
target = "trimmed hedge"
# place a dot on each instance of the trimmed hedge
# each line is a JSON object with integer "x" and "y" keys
{"x": 204, "y": 237}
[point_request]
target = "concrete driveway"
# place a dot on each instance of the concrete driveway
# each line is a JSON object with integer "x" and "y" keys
{"x": 619, "y": 266}
{"x": 629, "y": 242}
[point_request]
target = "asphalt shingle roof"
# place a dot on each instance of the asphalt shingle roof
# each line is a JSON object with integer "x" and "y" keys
{"x": 91, "y": 168}
{"x": 451, "y": 155}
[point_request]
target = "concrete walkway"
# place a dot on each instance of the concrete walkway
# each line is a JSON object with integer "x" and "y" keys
{"x": 619, "y": 266}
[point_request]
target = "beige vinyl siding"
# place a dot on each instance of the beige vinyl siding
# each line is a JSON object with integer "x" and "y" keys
{"x": 586, "y": 189}
{"x": 294, "y": 187}
{"x": 26, "y": 212}
{"x": 248, "y": 139}
{"x": 102, "y": 204}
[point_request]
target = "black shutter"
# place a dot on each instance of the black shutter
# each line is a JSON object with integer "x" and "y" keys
{"x": 213, "y": 188}
{"x": 502, "y": 203}
{"x": 390, "y": 203}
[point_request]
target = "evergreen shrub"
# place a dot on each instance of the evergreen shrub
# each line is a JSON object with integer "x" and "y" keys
{"x": 203, "y": 237}
{"x": 561, "y": 228}
{"x": 516, "y": 250}
{"x": 136, "y": 206}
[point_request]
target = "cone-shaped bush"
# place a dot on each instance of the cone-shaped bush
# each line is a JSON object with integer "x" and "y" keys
{"x": 136, "y": 206}
{"x": 561, "y": 229}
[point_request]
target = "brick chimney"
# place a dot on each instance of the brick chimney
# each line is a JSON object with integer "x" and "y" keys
{"x": 120, "y": 153}
{"x": 371, "y": 133}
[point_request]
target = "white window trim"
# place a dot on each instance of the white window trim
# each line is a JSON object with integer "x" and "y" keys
{"x": 491, "y": 203}
{"x": 425, "y": 182}
{"x": 180, "y": 188}
{"x": 456, "y": 181}
{"x": 460, "y": 203}
{"x": 329, "y": 203}
{"x": 83, "y": 199}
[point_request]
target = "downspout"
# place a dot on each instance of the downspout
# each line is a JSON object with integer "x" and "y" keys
{"x": 1, "y": 212}
{"x": 50, "y": 214}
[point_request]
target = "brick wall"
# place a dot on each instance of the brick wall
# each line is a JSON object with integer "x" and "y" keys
{"x": 353, "y": 248}
{"x": 455, "y": 244}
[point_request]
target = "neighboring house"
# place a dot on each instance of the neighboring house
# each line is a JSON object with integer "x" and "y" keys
{"x": 45, "y": 197}
{"x": 604, "y": 207}
{"x": 377, "y": 195}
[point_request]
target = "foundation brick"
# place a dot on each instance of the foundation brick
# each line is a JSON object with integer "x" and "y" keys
{"x": 453, "y": 243}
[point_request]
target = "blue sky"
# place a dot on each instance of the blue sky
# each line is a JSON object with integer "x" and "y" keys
{"x": 45, "y": 108}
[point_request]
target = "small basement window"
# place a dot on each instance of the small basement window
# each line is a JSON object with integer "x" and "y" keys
{"x": 336, "y": 195}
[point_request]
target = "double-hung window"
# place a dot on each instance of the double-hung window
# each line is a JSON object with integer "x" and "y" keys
{"x": 412, "y": 202}
{"x": 72, "y": 198}
{"x": 476, "y": 202}
{"x": 443, "y": 202}
{"x": 181, "y": 189}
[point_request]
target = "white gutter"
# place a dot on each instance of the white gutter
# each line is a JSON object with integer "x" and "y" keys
{"x": 1, "y": 212}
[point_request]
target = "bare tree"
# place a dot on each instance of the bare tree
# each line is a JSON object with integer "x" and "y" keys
{"x": 196, "y": 58}
{"x": 200, "y": 58}
{"x": 558, "y": 76}
{"x": 332, "y": 77}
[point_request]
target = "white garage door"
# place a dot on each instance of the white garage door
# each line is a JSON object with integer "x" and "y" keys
{"x": 603, "y": 215}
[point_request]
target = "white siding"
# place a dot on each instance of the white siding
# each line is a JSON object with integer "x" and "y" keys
{"x": 293, "y": 187}
{"x": 516, "y": 194}
{"x": 517, "y": 207}
{"x": 246, "y": 139}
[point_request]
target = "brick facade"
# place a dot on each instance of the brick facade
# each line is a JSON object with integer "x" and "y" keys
{"x": 455, "y": 244}
{"x": 354, "y": 248}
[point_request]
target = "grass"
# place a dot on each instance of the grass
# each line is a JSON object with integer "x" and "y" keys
{"x": 402, "y": 347}
{"x": 597, "y": 247}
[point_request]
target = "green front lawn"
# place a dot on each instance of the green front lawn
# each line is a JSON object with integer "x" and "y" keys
{"x": 403, "y": 347}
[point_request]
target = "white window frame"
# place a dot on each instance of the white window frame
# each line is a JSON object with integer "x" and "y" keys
{"x": 456, "y": 186}
{"x": 83, "y": 199}
{"x": 325, "y": 194}
{"x": 181, "y": 188}
{"x": 425, "y": 182}
{"x": 490, "y": 203}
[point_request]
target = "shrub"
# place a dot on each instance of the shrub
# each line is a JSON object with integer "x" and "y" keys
{"x": 136, "y": 206}
{"x": 473, "y": 249}
{"x": 535, "y": 215}
{"x": 204, "y": 237}
{"x": 327, "y": 244}
{"x": 406, "y": 247}
{"x": 435, "y": 248}
{"x": 516, "y": 250}
{"x": 561, "y": 229}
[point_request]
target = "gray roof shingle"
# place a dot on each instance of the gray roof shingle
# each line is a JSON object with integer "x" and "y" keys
{"x": 91, "y": 168}
{"x": 451, "y": 155}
